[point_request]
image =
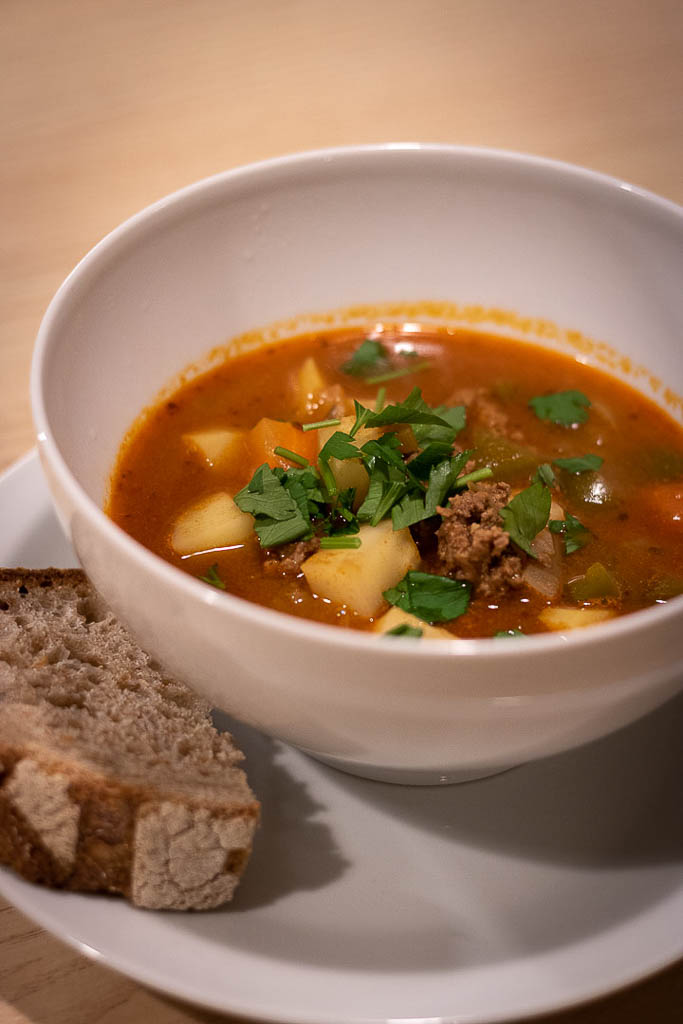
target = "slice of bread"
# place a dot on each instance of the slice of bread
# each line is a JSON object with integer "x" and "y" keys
{"x": 112, "y": 777}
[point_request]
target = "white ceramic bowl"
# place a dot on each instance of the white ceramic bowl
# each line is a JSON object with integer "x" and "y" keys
{"x": 311, "y": 233}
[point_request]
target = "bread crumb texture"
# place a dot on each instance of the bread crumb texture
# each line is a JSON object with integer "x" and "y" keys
{"x": 43, "y": 801}
{"x": 112, "y": 776}
{"x": 186, "y": 857}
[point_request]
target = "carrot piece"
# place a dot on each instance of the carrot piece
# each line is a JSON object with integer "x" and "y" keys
{"x": 267, "y": 435}
{"x": 665, "y": 502}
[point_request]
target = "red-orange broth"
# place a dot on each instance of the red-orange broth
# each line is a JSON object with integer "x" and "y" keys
{"x": 631, "y": 506}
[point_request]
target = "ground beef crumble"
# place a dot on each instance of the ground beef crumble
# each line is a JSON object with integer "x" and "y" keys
{"x": 472, "y": 544}
{"x": 286, "y": 560}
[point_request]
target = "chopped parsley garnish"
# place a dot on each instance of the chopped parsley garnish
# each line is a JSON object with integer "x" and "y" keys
{"x": 544, "y": 475}
{"x": 303, "y": 500}
{"x": 432, "y": 455}
{"x": 509, "y": 632}
{"x": 285, "y": 453}
{"x": 455, "y": 418}
{"x": 213, "y": 578}
{"x": 526, "y": 515}
{"x": 580, "y": 464}
{"x": 319, "y": 424}
{"x": 430, "y": 598}
{"x": 382, "y": 494}
{"x": 576, "y": 535}
{"x": 265, "y": 495}
{"x": 408, "y": 511}
{"x": 413, "y": 410}
{"x": 279, "y": 504}
{"x": 404, "y": 371}
{"x": 339, "y": 543}
{"x": 370, "y": 355}
{"x": 403, "y": 629}
{"x": 483, "y": 473}
{"x": 339, "y": 446}
{"x": 442, "y": 479}
{"x": 566, "y": 408}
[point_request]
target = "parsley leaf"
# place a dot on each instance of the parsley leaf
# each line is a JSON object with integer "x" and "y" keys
{"x": 403, "y": 629}
{"x": 272, "y": 532}
{"x": 340, "y": 519}
{"x": 432, "y": 455}
{"x": 509, "y": 632}
{"x": 413, "y": 410}
{"x": 442, "y": 479}
{"x": 265, "y": 495}
{"x": 390, "y": 480}
{"x": 369, "y": 356}
{"x": 310, "y": 481}
{"x": 383, "y": 493}
{"x": 430, "y": 598}
{"x": 386, "y": 448}
{"x": 580, "y": 464}
{"x": 544, "y": 475}
{"x": 409, "y": 510}
{"x": 213, "y": 578}
{"x": 526, "y": 515}
{"x": 339, "y": 446}
{"x": 280, "y": 512}
{"x": 576, "y": 535}
{"x": 564, "y": 407}
{"x": 455, "y": 416}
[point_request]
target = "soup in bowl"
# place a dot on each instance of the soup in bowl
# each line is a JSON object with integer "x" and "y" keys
{"x": 421, "y": 515}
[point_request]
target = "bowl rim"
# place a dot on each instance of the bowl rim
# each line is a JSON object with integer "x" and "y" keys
{"x": 192, "y": 589}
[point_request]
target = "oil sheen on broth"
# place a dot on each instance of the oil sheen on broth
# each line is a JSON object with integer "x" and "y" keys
{"x": 509, "y": 537}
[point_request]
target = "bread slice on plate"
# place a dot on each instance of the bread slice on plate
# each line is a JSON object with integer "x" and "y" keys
{"x": 112, "y": 776}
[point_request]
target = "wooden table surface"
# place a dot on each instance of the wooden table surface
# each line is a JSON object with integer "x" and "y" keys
{"x": 106, "y": 105}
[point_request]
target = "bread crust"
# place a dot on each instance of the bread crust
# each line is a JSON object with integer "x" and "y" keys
{"x": 63, "y": 823}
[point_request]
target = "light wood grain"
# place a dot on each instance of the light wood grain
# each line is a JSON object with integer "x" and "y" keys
{"x": 105, "y": 106}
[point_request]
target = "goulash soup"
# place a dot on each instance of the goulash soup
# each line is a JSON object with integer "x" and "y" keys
{"x": 419, "y": 483}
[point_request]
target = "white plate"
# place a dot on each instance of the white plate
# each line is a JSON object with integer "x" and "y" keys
{"x": 518, "y": 895}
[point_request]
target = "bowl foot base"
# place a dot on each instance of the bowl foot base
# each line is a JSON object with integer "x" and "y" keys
{"x": 410, "y": 776}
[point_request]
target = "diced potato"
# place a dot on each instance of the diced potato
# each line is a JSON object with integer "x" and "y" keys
{"x": 215, "y": 445}
{"x": 562, "y": 619}
{"x": 214, "y": 522}
{"x": 311, "y": 380}
{"x": 363, "y": 435}
{"x": 358, "y": 577}
{"x": 397, "y": 617}
{"x": 309, "y": 388}
{"x": 350, "y": 472}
